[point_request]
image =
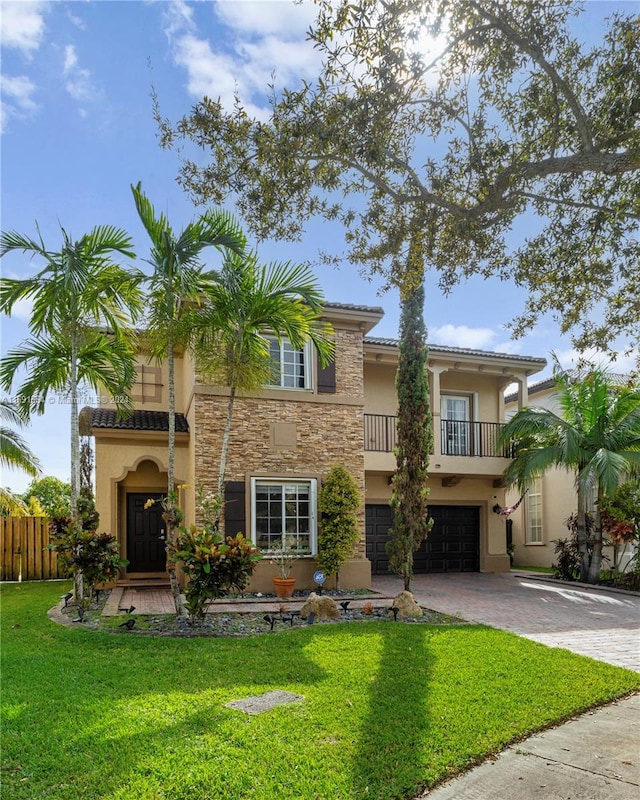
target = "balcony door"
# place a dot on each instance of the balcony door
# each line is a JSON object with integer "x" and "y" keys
{"x": 456, "y": 425}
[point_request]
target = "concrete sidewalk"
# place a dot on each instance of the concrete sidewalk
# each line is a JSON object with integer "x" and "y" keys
{"x": 593, "y": 757}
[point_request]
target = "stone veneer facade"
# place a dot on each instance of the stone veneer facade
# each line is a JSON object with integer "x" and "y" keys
{"x": 289, "y": 433}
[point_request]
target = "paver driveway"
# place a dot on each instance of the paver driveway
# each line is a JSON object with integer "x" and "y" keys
{"x": 593, "y": 622}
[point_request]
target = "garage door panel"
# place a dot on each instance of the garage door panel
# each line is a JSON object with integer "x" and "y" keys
{"x": 453, "y": 545}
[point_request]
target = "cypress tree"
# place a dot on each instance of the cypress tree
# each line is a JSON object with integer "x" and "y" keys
{"x": 414, "y": 436}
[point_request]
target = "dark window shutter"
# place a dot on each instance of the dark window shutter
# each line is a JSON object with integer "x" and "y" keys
{"x": 326, "y": 377}
{"x": 234, "y": 517}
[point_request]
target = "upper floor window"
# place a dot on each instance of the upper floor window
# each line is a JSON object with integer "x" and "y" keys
{"x": 533, "y": 534}
{"x": 290, "y": 368}
{"x": 455, "y": 415}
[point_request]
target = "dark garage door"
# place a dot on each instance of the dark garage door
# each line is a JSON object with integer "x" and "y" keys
{"x": 452, "y": 546}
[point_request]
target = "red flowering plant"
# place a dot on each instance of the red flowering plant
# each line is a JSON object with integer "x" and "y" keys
{"x": 214, "y": 564}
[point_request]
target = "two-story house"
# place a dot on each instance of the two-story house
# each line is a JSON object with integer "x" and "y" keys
{"x": 285, "y": 439}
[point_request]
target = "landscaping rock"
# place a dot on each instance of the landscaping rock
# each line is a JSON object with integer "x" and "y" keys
{"x": 323, "y": 607}
{"x": 407, "y": 606}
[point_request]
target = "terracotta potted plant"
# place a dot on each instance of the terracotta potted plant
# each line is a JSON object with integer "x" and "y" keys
{"x": 283, "y": 559}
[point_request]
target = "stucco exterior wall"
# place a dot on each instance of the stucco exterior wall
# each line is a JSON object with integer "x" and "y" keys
{"x": 132, "y": 464}
{"x": 470, "y": 492}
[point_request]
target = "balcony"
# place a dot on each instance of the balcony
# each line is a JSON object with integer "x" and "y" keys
{"x": 457, "y": 438}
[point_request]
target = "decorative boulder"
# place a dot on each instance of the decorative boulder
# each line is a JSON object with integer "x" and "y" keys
{"x": 323, "y": 607}
{"x": 407, "y": 606}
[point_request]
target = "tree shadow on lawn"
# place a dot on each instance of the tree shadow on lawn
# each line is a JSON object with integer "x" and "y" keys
{"x": 388, "y": 760}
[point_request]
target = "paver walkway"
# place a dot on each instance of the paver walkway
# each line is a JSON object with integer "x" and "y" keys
{"x": 595, "y": 622}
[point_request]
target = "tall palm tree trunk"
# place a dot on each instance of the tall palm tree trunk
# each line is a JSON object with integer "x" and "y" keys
{"x": 169, "y": 516}
{"x": 583, "y": 550}
{"x": 171, "y": 455}
{"x": 75, "y": 460}
{"x": 593, "y": 574}
{"x": 224, "y": 452}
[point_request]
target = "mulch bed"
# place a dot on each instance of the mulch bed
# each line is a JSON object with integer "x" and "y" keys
{"x": 223, "y": 623}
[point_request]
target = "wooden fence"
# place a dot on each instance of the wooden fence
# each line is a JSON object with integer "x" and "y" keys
{"x": 24, "y": 553}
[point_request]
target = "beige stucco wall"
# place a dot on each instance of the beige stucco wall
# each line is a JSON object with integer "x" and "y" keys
{"x": 470, "y": 492}
{"x": 380, "y": 393}
{"x": 126, "y": 462}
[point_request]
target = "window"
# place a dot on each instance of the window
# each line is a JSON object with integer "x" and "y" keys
{"x": 534, "y": 514}
{"x": 290, "y": 367}
{"x": 455, "y": 426}
{"x": 283, "y": 514}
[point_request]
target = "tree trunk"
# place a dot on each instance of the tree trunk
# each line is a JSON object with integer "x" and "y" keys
{"x": 582, "y": 537}
{"x": 171, "y": 456}
{"x": 593, "y": 573}
{"x": 223, "y": 458}
{"x": 78, "y": 579}
{"x": 409, "y": 572}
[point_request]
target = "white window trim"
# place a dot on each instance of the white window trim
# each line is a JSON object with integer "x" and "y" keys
{"x": 313, "y": 507}
{"x": 473, "y": 439}
{"x": 534, "y": 491}
{"x": 307, "y": 355}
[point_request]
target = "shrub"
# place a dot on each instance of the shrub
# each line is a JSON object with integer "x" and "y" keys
{"x": 83, "y": 552}
{"x": 338, "y": 502}
{"x": 567, "y": 566}
{"x": 214, "y": 565}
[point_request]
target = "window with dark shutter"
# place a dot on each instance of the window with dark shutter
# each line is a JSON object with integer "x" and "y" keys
{"x": 326, "y": 377}
{"x": 234, "y": 511}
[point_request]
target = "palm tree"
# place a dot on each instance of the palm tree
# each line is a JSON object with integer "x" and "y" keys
{"x": 597, "y": 437}
{"x": 15, "y": 454}
{"x": 83, "y": 304}
{"x": 245, "y": 304}
{"x": 14, "y": 451}
{"x": 175, "y": 286}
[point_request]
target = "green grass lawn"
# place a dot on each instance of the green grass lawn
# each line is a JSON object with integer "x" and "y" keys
{"x": 389, "y": 708}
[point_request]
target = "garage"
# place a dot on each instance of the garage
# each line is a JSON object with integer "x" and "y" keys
{"x": 453, "y": 544}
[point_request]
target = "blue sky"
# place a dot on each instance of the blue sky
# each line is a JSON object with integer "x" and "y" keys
{"x": 77, "y": 130}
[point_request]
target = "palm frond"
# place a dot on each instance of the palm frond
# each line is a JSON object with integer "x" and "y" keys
{"x": 15, "y": 452}
{"x": 11, "y": 505}
{"x": 156, "y": 225}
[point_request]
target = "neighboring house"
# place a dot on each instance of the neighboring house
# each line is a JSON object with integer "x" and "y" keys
{"x": 541, "y": 518}
{"x": 285, "y": 439}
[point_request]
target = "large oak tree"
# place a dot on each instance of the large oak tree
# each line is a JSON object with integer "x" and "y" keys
{"x": 510, "y": 117}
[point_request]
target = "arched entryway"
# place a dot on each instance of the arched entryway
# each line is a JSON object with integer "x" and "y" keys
{"x": 142, "y": 528}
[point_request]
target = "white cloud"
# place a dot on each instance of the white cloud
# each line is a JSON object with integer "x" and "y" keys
{"x": 263, "y": 17}
{"x": 462, "y": 336}
{"x": 208, "y": 73}
{"x": 23, "y": 309}
{"x": 78, "y": 82}
{"x": 255, "y": 41}
{"x": 178, "y": 17}
{"x": 22, "y": 25}
{"x": 17, "y": 101}
{"x": 622, "y": 363}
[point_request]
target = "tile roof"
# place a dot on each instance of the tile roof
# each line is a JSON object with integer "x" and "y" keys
{"x": 138, "y": 421}
{"x": 443, "y": 348}
{"x": 350, "y": 307}
{"x": 616, "y": 378}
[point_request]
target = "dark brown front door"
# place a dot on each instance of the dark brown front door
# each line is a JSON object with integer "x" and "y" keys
{"x": 145, "y": 534}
